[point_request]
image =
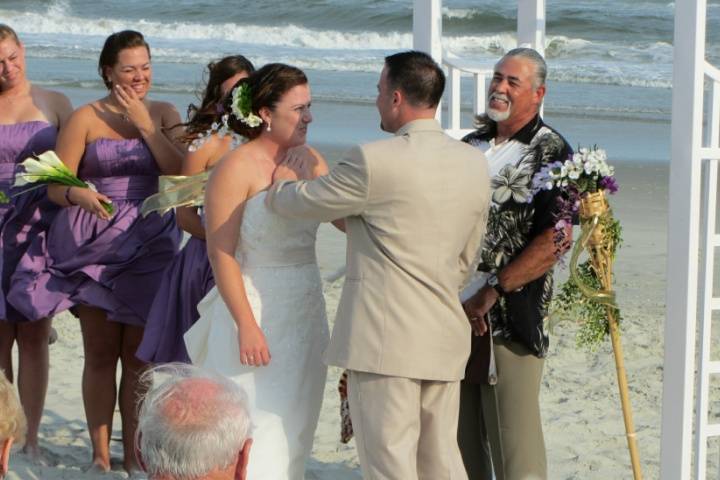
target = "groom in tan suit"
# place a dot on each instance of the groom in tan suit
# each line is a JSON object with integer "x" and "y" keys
{"x": 415, "y": 207}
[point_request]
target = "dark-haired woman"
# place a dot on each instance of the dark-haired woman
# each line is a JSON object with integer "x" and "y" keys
{"x": 264, "y": 324}
{"x": 29, "y": 120}
{"x": 189, "y": 278}
{"x": 106, "y": 266}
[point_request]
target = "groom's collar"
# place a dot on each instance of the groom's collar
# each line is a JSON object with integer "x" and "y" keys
{"x": 420, "y": 125}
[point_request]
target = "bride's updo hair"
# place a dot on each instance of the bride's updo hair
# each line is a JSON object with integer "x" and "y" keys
{"x": 267, "y": 86}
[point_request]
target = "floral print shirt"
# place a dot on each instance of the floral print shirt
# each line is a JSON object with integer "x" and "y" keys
{"x": 515, "y": 219}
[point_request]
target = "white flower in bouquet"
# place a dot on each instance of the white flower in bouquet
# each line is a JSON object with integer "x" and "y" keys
{"x": 574, "y": 172}
{"x": 48, "y": 168}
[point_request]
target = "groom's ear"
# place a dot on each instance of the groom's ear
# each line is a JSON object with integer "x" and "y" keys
{"x": 398, "y": 98}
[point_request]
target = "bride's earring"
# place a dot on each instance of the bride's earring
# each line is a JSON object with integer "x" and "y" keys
{"x": 269, "y": 128}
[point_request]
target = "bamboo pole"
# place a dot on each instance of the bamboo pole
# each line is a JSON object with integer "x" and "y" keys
{"x": 593, "y": 208}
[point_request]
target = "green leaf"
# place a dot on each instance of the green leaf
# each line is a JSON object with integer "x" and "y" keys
{"x": 109, "y": 207}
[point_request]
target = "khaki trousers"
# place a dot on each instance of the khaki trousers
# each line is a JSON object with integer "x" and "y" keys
{"x": 405, "y": 428}
{"x": 500, "y": 426}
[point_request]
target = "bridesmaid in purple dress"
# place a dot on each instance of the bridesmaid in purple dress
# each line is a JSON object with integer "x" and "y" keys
{"x": 29, "y": 119}
{"x": 189, "y": 277}
{"x": 104, "y": 267}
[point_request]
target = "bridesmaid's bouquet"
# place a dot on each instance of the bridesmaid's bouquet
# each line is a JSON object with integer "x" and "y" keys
{"x": 48, "y": 169}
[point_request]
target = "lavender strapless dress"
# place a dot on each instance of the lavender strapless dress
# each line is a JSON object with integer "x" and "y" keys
{"x": 115, "y": 265}
{"x": 188, "y": 279}
{"x": 28, "y": 214}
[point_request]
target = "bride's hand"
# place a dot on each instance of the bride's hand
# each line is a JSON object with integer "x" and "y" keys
{"x": 253, "y": 347}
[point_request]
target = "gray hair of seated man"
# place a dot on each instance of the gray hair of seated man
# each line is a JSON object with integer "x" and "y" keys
{"x": 537, "y": 60}
{"x": 191, "y": 422}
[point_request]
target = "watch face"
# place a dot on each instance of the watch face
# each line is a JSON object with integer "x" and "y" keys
{"x": 492, "y": 281}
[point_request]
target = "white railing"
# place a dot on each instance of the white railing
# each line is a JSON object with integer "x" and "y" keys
{"x": 456, "y": 68}
{"x": 706, "y": 368}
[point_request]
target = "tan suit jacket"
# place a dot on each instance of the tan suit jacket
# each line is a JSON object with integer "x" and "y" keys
{"x": 416, "y": 208}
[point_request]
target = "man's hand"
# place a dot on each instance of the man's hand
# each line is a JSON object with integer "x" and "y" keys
{"x": 297, "y": 165}
{"x": 477, "y": 306}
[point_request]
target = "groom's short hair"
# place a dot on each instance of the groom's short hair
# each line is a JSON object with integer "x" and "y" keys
{"x": 418, "y": 76}
{"x": 191, "y": 422}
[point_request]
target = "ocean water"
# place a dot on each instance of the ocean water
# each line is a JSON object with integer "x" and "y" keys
{"x": 608, "y": 59}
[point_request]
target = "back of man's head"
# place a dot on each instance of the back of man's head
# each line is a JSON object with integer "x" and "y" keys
{"x": 192, "y": 423}
{"x": 417, "y": 76}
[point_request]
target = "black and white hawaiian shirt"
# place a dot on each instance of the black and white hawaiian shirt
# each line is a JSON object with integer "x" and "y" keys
{"x": 515, "y": 219}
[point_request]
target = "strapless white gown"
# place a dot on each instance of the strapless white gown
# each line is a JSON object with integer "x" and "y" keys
{"x": 282, "y": 280}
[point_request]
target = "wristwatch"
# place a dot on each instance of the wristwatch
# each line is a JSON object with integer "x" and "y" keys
{"x": 494, "y": 282}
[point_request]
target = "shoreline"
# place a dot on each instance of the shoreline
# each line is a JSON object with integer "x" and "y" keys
{"x": 337, "y": 126}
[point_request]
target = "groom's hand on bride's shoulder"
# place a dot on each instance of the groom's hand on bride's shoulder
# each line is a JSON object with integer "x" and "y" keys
{"x": 298, "y": 164}
{"x": 301, "y": 163}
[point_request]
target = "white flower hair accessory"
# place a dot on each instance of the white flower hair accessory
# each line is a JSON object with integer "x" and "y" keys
{"x": 242, "y": 106}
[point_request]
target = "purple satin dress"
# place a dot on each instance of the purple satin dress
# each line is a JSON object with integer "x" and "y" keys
{"x": 28, "y": 214}
{"x": 188, "y": 279}
{"x": 115, "y": 265}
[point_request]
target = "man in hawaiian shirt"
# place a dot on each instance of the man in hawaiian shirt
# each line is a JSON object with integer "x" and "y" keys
{"x": 500, "y": 428}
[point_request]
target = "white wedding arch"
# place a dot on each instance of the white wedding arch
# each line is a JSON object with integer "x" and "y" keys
{"x": 695, "y": 153}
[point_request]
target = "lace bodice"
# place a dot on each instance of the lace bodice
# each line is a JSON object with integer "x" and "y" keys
{"x": 269, "y": 240}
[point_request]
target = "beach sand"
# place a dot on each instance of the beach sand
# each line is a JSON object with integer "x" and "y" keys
{"x": 580, "y": 405}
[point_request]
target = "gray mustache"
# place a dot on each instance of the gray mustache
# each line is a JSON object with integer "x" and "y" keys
{"x": 499, "y": 96}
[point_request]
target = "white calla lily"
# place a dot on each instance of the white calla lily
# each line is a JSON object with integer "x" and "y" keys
{"x": 51, "y": 159}
{"x": 36, "y": 167}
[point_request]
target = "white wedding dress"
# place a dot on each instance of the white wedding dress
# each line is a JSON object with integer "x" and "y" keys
{"x": 282, "y": 280}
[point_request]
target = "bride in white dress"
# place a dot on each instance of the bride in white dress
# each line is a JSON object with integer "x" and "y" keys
{"x": 264, "y": 324}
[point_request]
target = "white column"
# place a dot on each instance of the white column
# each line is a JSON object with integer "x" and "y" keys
{"x": 427, "y": 32}
{"x": 427, "y": 27}
{"x": 531, "y": 24}
{"x": 683, "y": 241}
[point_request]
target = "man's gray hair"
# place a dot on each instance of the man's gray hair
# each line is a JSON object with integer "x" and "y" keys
{"x": 537, "y": 60}
{"x": 191, "y": 422}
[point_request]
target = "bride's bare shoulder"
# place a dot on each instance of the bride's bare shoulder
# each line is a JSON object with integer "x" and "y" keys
{"x": 237, "y": 168}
